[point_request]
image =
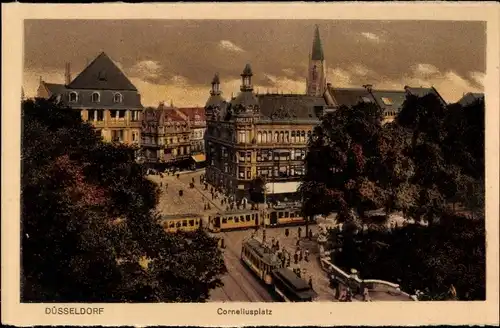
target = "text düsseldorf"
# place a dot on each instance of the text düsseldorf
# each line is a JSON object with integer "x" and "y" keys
{"x": 73, "y": 310}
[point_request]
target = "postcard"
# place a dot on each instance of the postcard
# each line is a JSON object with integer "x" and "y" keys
{"x": 271, "y": 164}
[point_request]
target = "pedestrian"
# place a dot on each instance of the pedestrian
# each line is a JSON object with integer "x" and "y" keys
{"x": 222, "y": 245}
{"x": 300, "y": 256}
{"x": 310, "y": 282}
{"x": 161, "y": 184}
{"x": 299, "y": 232}
{"x": 178, "y": 175}
{"x": 298, "y": 242}
{"x": 349, "y": 294}
{"x": 278, "y": 245}
{"x": 192, "y": 180}
{"x": 310, "y": 234}
{"x": 288, "y": 262}
{"x": 366, "y": 295}
{"x": 264, "y": 236}
{"x": 296, "y": 258}
{"x": 287, "y": 232}
{"x": 307, "y": 255}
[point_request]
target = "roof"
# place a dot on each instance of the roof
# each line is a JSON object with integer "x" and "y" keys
{"x": 299, "y": 285}
{"x": 470, "y": 97}
{"x": 317, "y": 48}
{"x": 265, "y": 253}
{"x": 216, "y": 79}
{"x": 102, "y": 74}
{"x": 192, "y": 112}
{"x": 389, "y": 99}
{"x": 181, "y": 216}
{"x": 170, "y": 114}
{"x": 421, "y": 92}
{"x": 349, "y": 96}
{"x": 214, "y": 100}
{"x": 290, "y": 107}
{"x": 55, "y": 89}
{"x": 247, "y": 71}
{"x": 245, "y": 98}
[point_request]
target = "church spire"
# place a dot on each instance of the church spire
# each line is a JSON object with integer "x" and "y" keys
{"x": 317, "y": 48}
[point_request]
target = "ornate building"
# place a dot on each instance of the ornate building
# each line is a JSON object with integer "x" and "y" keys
{"x": 106, "y": 98}
{"x": 173, "y": 136}
{"x": 265, "y": 135}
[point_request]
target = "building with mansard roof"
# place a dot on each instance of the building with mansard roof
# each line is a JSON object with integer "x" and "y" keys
{"x": 106, "y": 98}
{"x": 265, "y": 135}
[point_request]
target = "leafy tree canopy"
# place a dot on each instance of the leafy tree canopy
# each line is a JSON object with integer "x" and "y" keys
{"x": 89, "y": 229}
{"x": 431, "y": 156}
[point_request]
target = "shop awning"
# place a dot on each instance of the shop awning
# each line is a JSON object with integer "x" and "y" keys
{"x": 198, "y": 158}
{"x": 282, "y": 187}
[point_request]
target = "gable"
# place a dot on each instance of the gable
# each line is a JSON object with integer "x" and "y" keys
{"x": 102, "y": 74}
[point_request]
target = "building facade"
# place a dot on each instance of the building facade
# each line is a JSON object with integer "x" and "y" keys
{"x": 172, "y": 136}
{"x": 106, "y": 98}
{"x": 265, "y": 135}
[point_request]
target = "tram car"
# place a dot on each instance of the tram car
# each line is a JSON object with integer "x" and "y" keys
{"x": 244, "y": 219}
{"x": 269, "y": 269}
{"x": 181, "y": 222}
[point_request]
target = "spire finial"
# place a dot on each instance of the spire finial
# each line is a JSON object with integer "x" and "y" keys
{"x": 317, "y": 48}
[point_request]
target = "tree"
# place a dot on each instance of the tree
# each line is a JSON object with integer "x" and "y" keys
{"x": 341, "y": 163}
{"x": 89, "y": 229}
{"x": 430, "y": 155}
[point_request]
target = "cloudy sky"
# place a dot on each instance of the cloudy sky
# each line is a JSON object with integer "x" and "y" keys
{"x": 176, "y": 59}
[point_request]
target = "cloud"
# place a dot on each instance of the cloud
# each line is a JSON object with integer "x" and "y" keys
{"x": 228, "y": 45}
{"x": 371, "y": 36}
{"x": 146, "y": 69}
{"x": 361, "y": 70}
{"x": 478, "y": 78}
{"x": 339, "y": 77}
{"x": 425, "y": 69}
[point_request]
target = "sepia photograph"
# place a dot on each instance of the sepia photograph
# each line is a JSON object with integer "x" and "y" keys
{"x": 252, "y": 161}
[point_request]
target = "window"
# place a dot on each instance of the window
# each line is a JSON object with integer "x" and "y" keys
{"x": 287, "y": 138}
{"x": 264, "y": 137}
{"x": 302, "y": 136}
{"x": 241, "y": 172}
{"x": 387, "y": 101}
{"x": 293, "y": 136}
{"x": 118, "y": 98}
{"x": 134, "y": 136}
{"x": 191, "y": 223}
{"x": 184, "y": 223}
{"x": 73, "y": 96}
{"x": 96, "y": 97}
{"x": 134, "y": 115}
{"x": 121, "y": 114}
{"x": 102, "y": 76}
{"x": 249, "y": 174}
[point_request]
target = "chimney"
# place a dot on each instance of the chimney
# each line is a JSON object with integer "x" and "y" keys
{"x": 67, "y": 74}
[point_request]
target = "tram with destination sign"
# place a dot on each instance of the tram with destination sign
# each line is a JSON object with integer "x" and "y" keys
{"x": 269, "y": 269}
{"x": 244, "y": 219}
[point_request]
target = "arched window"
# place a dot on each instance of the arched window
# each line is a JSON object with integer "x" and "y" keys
{"x": 73, "y": 96}
{"x": 276, "y": 136}
{"x": 282, "y": 136}
{"x": 96, "y": 97}
{"x": 118, "y": 98}
{"x": 287, "y": 137}
{"x": 293, "y": 136}
{"x": 259, "y": 137}
{"x": 302, "y": 136}
{"x": 264, "y": 137}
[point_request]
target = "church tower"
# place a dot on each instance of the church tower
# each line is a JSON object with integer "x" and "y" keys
{"x": 316, "y": 76}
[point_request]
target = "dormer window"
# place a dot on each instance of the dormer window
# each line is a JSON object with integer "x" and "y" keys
{"x": 96, "y": 97}
{"x": 118, "y": 98}
{"x": 73, "y": 96}
{"x": 102, "y": 76}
